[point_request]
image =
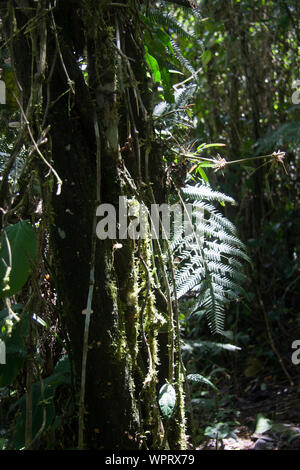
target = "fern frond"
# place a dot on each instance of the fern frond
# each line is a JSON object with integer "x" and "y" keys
{"x": 166, "y": 20}
{"x": 184, "y": 95}
{"x": 209, "y": 345}
{"x": 210, "y": 258}
{"x": 200, "y": 192}
{"x": 183, "y": 61}
{"x": 172, "y": 112}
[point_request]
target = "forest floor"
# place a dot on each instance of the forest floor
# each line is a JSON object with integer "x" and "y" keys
{"x": 267, "y": 420}
{"x": 260, "y": 412}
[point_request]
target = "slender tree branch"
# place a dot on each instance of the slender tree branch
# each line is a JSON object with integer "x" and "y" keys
{"x": 90, "y": 293}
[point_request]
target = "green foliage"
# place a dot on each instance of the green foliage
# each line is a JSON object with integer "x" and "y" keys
{"x": 287, "y": 133}
{"x": 206, "y": 56}
{"x": 44, "y": 414}
{"x": 210, "y": 258}
{"x": 198, "y": 378}
{"x": 171, "y": 113}
{"x": 3, "y": 443}
{"x": 167, "y": 20}
{"x": 173, "y": 119}
{"x": 15, "y": 348}
{"x": 183, "y": 61}
{"x": 263, "y": 424}
{"x": 167, "y": 400}
{"x": 162, "y": 53}
{"x": 19, "y": 249}
{"x": 220, "y": 431}
{"x": 228, "y": 92}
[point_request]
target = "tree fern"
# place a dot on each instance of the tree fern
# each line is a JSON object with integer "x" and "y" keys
{"x": 162, "y": 47}
{"x": 209, "y": 258}
{"x": 167, "y": 21}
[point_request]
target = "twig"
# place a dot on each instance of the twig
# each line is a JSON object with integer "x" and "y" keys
{"x": 150, "y": 367}
{"x": 171, "y": 332}
{"x": 59, "y": 181}
{"x": 90, "y": 294}
{"x": 69, "y": 81}
{"x": 187, "y": 79}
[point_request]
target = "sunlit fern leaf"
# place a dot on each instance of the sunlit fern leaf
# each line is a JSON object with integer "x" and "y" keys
{"x": 168, "y": 111}
{"x": 183, "y": 95}
{"x": 205, "y": 192}
{"x": 209, "y": 346}
{"x": 183, "y": 61}
{"x": 209, "y": 260}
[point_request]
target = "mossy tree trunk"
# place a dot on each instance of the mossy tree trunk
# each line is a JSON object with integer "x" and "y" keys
{"x": 92, "y": 115}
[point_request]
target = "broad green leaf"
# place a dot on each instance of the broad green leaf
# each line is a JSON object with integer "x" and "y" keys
{"x": 23, "y": 245}
{"x": 153, "y": 64}
{"x": 206, "y": 56}
{"x": 202, "y": 174}
{"x": 199, "y": 378}
{"x": 205, "y": 164}
{"x": 167, "y": 400}
{"x": 220, "y": 431}
{"x": 263, "y": 424}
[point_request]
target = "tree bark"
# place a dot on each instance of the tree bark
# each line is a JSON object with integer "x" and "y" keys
{"x": 121, "y": 406}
